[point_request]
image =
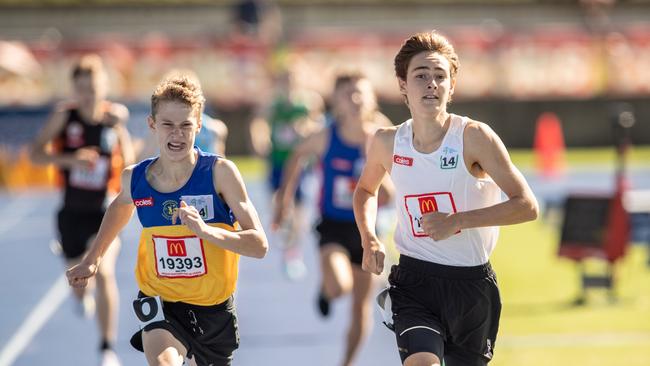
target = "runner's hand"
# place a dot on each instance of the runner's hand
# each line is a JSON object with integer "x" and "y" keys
{"x": 439, "y": 225}
{"x": 281, "y": 210}
{"x": 373, "y": 257}
{"x": 85, "y": 157}
{"x": 79, "y": 275}
{"x": 189, "y": 217}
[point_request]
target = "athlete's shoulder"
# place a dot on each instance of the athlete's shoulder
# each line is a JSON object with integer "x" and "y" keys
{"x": 381, "y": 143}
{"x": 116, "y": 114}
{"x": 61, "y": 114}
{"x": 387, "y": 130}
{"x": 65, "y": 106}
{"x": 476, "y": 131}
{"x": 317, "y": 140}
{"x": 479, "y": 140}
{"x": 128, "y": 171}
{"x": 126, "y": 183}
{"x": 143, "y": 162}
{"x": 386, "y": 134}
{"x": 137, "y": 170}
{"x": 224, "y": 165}
{"x": 226, "y": 176}
{"x": 208, "y": 154}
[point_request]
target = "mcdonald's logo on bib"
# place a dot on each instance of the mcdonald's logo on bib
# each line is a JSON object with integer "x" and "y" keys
{"x": 176, "y": 248}
{"x": 427, "y": 204}
{"x": 418, "y": 205}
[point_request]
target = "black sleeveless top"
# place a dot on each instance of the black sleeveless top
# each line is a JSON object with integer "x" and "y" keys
{"x": 85, "y": 188}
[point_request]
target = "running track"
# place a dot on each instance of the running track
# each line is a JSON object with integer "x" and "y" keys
{"x": 278, "y": 321}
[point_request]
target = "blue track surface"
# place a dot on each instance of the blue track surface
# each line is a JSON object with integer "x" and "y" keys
{"x": 278, "y": 321}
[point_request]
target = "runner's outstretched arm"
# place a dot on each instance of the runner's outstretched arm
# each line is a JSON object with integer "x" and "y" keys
{"x": 117, "y": 215}
{"x": 313, "y": 145}
{"x": 366, "y": 196}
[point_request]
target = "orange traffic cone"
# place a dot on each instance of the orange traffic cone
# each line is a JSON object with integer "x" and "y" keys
{"x": 4, "y": 167}
{"x": 549, "y": 145}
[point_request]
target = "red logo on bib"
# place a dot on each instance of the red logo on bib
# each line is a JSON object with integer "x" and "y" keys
{"x": 143, "y": 202}
{"x": 176, "y": 248}
{"x": 402, "y": 160}
{"x": 427, "y": 204}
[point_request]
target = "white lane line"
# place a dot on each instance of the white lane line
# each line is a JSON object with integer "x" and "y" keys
{"x": 35, "y": 321}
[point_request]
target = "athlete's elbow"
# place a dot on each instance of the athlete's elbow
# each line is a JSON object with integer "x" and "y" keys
{"x": 264, "y": 248}
{"x": 361, "y": 194}
{"x": 530, "y": 209}
{"x": 261, "y": 247}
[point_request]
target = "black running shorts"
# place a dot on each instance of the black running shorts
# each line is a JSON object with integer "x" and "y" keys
{"x": 76, "y": 229}
{"x": 209, "y": 333}
{"x": 344, "y": 233}
{"x": 452, "y": 312}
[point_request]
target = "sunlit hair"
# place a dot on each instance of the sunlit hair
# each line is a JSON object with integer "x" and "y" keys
{"x": 88, "y": 65}
{"x": 181, "y": 89}
{"x": 346, "y": 77}
{"x": 91, "y": 65}
{"x": 180, "y": 72}
{"x": 425, "y": 42}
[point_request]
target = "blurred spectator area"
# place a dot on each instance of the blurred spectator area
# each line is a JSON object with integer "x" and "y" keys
{"x": 518, "y": 58}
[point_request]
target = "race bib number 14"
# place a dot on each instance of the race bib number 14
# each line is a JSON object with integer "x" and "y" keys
{"x": 203, "y": 203}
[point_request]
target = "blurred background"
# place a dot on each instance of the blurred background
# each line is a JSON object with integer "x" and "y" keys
{"x": 519, "y": 58}
{"x": 558, "y": 80}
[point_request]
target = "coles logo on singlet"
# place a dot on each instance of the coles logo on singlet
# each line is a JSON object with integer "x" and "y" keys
{"x": 403, "y": 160}
{"x": 341, "y": 164}
{"x": 143, "y": 202}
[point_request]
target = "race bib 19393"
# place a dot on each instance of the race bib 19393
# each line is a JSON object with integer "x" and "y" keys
{"x": 179, "y": 256}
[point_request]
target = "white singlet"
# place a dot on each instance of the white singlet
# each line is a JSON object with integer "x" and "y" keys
{"x": 440, "y": 181}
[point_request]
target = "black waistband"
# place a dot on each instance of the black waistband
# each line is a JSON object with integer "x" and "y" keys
{"x": 444, "y": 271}
{"x": 226, "y": 305}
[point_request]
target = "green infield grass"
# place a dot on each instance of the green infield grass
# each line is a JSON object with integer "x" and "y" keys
{"x": 541, "y": 326}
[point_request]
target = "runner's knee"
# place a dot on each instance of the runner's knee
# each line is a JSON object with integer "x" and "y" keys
{"x": 333, "y": 289}
{"x": 169, "y": 357}
{"x": 337, "y": 276}
{"x": 105, "y": 275}
{"x": 162, "y": 349}
{"x": 422, "y": 359}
